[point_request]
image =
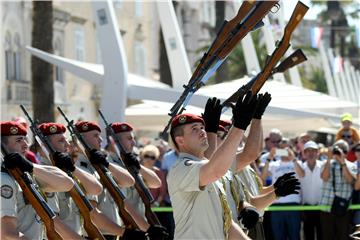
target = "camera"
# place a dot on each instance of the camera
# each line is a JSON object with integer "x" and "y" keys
{"x": 281, "y": 152}
{"x": 336, "y": 150}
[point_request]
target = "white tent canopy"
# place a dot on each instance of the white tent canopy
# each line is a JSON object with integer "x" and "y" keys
{"x": 292, "y": 109}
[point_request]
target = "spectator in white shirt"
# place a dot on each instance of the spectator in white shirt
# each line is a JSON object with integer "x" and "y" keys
{"x": 311, "y": 184}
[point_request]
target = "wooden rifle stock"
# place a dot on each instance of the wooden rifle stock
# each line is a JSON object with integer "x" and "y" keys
{"x": 294, "y": 59}
{"x": 46, "y": 214}
{"x": 140, "y": 186}
{"x": 297, "y": 15}
{"x": 249, "y": 16}
{"x": 76, "y": 193}
{"x": 105, "y": 176}
{"x": 36, "y": 200}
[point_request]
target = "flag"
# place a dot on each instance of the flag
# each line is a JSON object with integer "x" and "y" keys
{"x": 316, "y": 35}
{"x": 357, "y": 33}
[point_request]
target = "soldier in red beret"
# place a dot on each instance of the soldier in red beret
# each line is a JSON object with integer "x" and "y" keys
{"x": 125, "y": 133}
{"x": 193, "y": 180}
{"x": 17, "y": 219}
{"x": 68, "y": 212}
{"x": 91, "y": 133}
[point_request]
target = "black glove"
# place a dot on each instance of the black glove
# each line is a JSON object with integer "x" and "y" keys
{"x": 263, "y": 102}
{"x": 288, "y": 185}
{"x": 131, "y": 234}
{"x": 286, "y": 176}
{"x": 15, "y": 160}
{"x": 157, "y": 232}
{"x": 212, "y": 115}
{"x": 249, "y": 217}
{"x": 97, "y": 157}
{"x": 130, "y": 159}
{"x": 244, "y": 110}
{"x": 64, "y": 161}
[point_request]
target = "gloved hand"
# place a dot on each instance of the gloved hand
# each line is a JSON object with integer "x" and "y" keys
{"x": 244, "y": 110}
{"x": 130, "y": 159}
{"x": 131, "y": 234}
{"x": 283, "y": 177}
{"x": 64, "y": 161}
{"x": 263, "y": 102}
{"x": 15, "y": 160}
{"x": 157, "y": 232}
{"x": 97, "y": 157}
{"x": 212, "y": 115}
{"x": 249, "y": 217}
{"x": 286, "y": 186}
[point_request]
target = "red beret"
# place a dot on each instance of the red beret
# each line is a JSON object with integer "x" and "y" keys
{"x": 52, "y": 128}
{"x": 185, "y": 118}
{"x": 222, "y": 129}
{"x": 225, "y": 123}
{"x": 121, "y": 127}
{"x": 85, "y": 126}
{"x": 12, "y": 128}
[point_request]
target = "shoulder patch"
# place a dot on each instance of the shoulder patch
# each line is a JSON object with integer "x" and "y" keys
{"x": 188, "y": 162}
{"x": 6, "y": 191}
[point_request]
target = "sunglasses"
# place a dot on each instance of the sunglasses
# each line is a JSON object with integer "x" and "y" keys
{"x": 357, "y": 150}
{"x": 346, "y": 136}
{"x": 149, "y": 156}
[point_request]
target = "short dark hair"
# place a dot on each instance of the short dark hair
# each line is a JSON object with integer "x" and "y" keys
{"x": 5, "y": 139}
{"x": 175, "y": 132}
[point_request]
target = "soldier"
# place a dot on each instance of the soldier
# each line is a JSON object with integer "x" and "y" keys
{"x": 91, "y": 133}
{"x": 18, "y": 217}
{"x": 68, "y": 210}
{"x": 127, "y": 140}
{"x": 199, "y": 201}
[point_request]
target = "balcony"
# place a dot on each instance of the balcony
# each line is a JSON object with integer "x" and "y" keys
{"x": 18, "y": 92}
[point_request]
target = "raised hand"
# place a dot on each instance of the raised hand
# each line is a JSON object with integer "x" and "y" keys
{"x": 212, "y": 115}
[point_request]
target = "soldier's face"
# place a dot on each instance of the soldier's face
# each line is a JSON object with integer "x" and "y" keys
{"x": 93, "y": 139}
{"x": 127, "y": 140}
{"x": 17, "y": 144}
{"x": 195, "y": 137}
{"x": 59, "y": 142}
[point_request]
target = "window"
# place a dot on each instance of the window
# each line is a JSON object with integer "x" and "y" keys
{"x": 140, "y": 59}
{"x": 17, "y": 57}
{"x": 13, "y": 57}
{"x": 58, "y": 72}
{"x": 138, "y": 8}
{"x": 117, "y": 3}
{"x": 79, "y": 43}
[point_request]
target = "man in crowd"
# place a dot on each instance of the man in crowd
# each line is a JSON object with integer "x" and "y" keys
{"x": 338, "y": 175}
{"x": 311, "y": 183}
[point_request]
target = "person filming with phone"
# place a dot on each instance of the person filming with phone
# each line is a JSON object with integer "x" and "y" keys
{"x": 282, "y": 160}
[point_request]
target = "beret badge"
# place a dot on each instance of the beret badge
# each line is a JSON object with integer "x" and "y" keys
{"x": 14, "y": 130}
{"x": 182, "y": 119}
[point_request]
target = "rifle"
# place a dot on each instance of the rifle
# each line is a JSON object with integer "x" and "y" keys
{"x": 140, "y": 186}
{"x": 249, "y": 17}
{"x": 105, "y": 176}
{"x": 29, "y": 188}
{"x": 294, "y": 59}
{"x": 76, "y": 193}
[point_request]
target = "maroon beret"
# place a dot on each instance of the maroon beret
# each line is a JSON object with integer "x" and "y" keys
{"x": 121, "y": 127}
{"x": 225, "y": 123}
{"x": 221, "y": 129}
{"x": 85, "y": 126}
{"x": 185, "y": 118}
{"x": 52, "y": 128}
{"x": 12, "y": 128}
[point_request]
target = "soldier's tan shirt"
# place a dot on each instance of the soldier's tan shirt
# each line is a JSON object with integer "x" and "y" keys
{"x": 198, "y": 212}
{"x": 13, "y": 204}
